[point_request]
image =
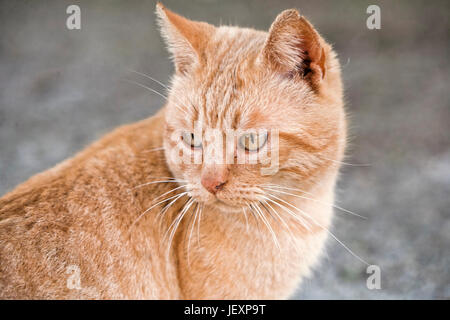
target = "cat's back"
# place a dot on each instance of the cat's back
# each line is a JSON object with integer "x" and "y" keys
{"x": 70, "y": 218}
{"x": 32, "y": 224}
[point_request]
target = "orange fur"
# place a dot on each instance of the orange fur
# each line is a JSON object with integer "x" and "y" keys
{"x": 87, "y": 211}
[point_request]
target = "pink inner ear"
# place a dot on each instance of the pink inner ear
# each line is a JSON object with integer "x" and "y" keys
{"x": 294, "y": 48}
{"x": 313, "y": 68}
{"x": 322, "y": 63}
{"x": 315, "y": 53}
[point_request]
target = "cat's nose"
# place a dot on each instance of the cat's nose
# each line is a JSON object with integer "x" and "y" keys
{"x": 213, "y": 180}
{"x": 213, "y": 185}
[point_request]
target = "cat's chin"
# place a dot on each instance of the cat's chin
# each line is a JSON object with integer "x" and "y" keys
{"x": 222, "y": 205}
{"x": 225, "y": 207}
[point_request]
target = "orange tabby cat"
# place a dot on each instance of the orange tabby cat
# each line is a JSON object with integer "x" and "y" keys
{"x": 126, "y": 219}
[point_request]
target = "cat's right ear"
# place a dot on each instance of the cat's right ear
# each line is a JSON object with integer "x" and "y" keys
{"x": 186, "y": 39}
{"x": 294, "y": 48}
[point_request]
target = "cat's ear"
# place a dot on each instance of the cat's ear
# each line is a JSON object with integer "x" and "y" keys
{"x": 186, "y": 39}
{"x": 294, "y": 48}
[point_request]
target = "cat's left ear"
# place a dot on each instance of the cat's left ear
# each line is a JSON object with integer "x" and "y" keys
{"x": 295, "y": 48}
{"x": 186, "y": 39}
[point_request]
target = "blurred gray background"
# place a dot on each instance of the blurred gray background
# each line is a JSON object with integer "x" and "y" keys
{"x": 62, "y": 89}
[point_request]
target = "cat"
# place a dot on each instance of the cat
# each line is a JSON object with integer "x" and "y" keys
{"x": 125, "y": 219}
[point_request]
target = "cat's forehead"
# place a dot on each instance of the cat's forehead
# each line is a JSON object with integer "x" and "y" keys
{"x": 224, "y": 104}
{"x": 230, "y": 91}
{"x": 220, "y": 88}
{"x": 232, "y": 45}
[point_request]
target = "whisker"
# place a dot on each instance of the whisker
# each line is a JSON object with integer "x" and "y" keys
{"x": 312, "y": 199}
{"x": 153, "y": 206}
{"x": 348, "y": 164}
{"x": 267, "y": 224}
{"x": 326, "y": 229}
{"x": 145, "y": 87}
{"x": 167, "y": 178}
{"x": 194, "y": 214}
{"x": 286, "y": 202}
{"x": 156, "y": 92}
{"x": 275, "y": 212}
{"x": 246, "y": 219}
{"x": 198, "y": 225}
{"x": 292, "y": 214}
{"x": 170, "y": 191}
{"x": 291, "y": 236}
{"x": 161, "y": 181}
{"x": 148, "y": 77}
{"x": 155, "y": 80}
{"x": 153, "y": 150}
{"x": 167, "y": 207}
{"x": 254, "y": 216}
{"x": 177, "y": 222}
{"x": 268, "y": 211}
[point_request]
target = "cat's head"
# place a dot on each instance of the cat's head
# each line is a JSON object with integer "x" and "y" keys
{"x": 244, "y": 94}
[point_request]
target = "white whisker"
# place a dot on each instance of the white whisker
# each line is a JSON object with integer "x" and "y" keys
{"x": 195, "y": 214}
{"x": 170, "y": 191}
{"x": 167, "y": 207}
{"x": 254, "y": 216}
{"x": 145, "y": 87}
{"x": 147, "y": 210}
{"x": 246, "y": 219}
{"x": 156, "y": 92}
{"x": 177, "y": 223}
{"x": 154, "y": 149}
{"x": 166, "y": 178}
{"x": 267, "y": 224}
{"x": 161, "y": 181}
{"x": 291, "y": 236}
{"x": 312, "y": 199}
{"x": 151, "y": 78}
{"x": 198, "y": 225}
{"x": 155, "y": 80}
{"x": 348, "y": 164}
{"x": 292, "y": 214}
{"x": 324, "y": 228}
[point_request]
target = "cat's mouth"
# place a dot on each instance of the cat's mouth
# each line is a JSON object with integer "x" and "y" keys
{"x": 226, "y": 206}
{"x": 225, "y": 202}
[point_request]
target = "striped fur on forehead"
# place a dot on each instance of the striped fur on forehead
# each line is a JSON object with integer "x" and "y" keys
{"x": 232, "y": 90}
{"x": 229, "y": 62}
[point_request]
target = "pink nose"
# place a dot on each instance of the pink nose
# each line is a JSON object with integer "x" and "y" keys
{"x": 214, "y": 180}
{"x": 212, "y": 184}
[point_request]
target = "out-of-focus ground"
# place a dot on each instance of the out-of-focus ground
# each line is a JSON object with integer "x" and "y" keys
{"x": 61, "y": 90}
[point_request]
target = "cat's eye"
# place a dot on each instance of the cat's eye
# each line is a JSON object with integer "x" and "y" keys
{"x": 191, "y": 140}
{"x": 253, "y": 141}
